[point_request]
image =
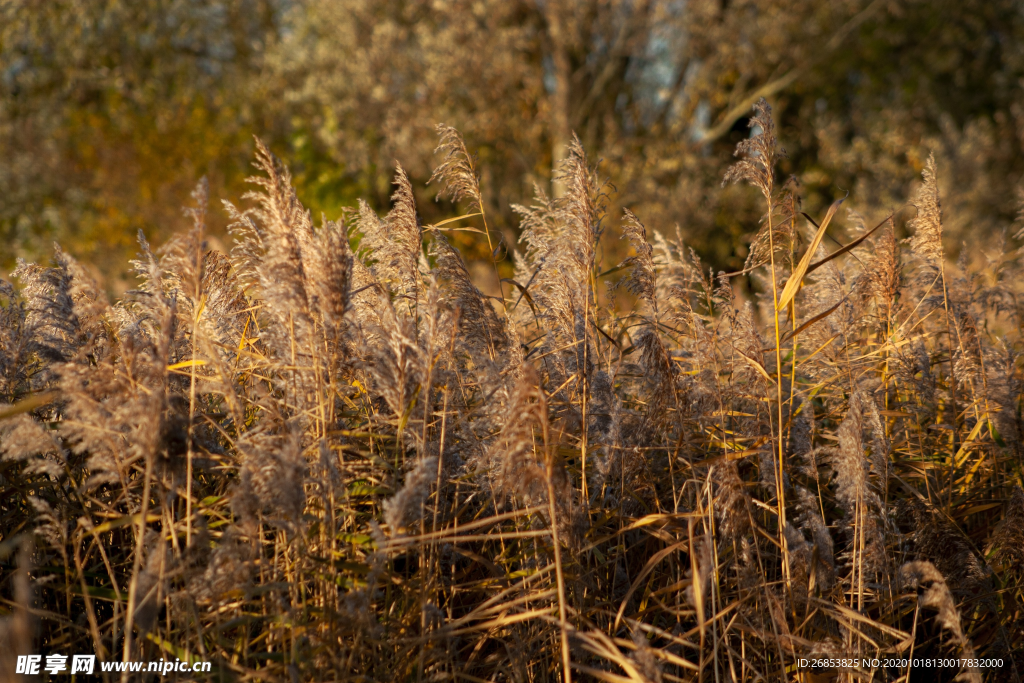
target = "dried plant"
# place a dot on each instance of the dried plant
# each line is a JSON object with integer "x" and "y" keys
{"x": 933, "y": 596}
{"x": 308, "y": 461}
{"x": 926, "y": 242}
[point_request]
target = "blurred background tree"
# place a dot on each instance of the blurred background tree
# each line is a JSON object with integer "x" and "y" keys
{"x": 111, "y": 111}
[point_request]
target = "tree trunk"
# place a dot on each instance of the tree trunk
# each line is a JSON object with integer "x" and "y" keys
{"x": 560, "y": 131}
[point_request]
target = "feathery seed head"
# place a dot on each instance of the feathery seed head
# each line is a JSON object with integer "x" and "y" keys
{"x": 926, "y": 242}
{"x": 757, "y": 153}
{"x": 458, "y": 170}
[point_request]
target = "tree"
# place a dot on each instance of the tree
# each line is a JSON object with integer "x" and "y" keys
{"x": 661, "y": 91}
{"x": 111, "y": 111}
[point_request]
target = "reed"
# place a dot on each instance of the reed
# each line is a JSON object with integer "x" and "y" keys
{"x": 305, "y": 461}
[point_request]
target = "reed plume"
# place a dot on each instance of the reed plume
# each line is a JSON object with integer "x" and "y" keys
{"x": 335, "y": 454}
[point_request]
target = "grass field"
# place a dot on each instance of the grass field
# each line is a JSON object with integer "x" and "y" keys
{"x": 329, "y": 456}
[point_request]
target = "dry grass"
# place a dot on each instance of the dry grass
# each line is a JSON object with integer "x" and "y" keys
{"x": 308, "y": 464}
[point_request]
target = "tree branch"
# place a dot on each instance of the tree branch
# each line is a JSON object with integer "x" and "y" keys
{"x": 725, "y": 123}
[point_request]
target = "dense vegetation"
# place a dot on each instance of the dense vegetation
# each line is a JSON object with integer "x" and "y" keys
{"x": 328, "y": 456}
{"x": 111, "y": 111}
